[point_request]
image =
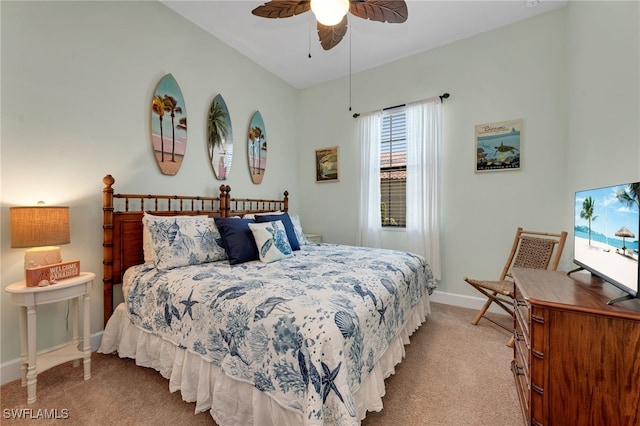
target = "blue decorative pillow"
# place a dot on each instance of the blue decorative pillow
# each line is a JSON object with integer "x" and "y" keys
{"x": 253, "y": 215}
{"x": 237, "y": 238}
{"x": 288, "y": 226}
{"x": 271, "y": 241}
{"x": 183, "y": 240}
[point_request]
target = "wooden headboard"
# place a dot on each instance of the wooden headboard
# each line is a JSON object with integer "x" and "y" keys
{"x": 122, "y": 224}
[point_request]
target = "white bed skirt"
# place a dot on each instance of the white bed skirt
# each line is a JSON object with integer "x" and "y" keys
{"x": 236, "y": 402}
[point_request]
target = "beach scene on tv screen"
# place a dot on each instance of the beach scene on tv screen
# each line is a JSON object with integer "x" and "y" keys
{"x": 606, "y": 231}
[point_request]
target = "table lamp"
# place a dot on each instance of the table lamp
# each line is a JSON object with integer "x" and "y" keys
{"x": 41, "y": 228}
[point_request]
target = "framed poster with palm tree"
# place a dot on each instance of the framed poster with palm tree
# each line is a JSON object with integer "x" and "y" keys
{"x": 257, "y": 148}
{"x": 168, "y": 125}
{"x": 219, "y": 138}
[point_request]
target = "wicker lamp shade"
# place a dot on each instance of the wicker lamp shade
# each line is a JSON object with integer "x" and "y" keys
{"x": 37, "y": 226}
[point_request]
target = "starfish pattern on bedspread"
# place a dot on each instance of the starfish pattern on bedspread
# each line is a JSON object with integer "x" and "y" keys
{"x": 188, "y": 305}
{"x": 306, "y": 329}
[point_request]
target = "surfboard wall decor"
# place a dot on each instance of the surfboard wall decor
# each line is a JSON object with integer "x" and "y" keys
{"x": 168, "y": 125}
{"x": 257, "y": 148}
{"x": 219, "y": 138}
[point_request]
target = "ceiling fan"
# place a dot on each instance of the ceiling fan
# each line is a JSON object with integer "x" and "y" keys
{"x": 332, "y": 31}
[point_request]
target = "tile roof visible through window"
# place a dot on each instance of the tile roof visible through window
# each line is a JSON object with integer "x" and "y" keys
{"x": 396, "y": 175}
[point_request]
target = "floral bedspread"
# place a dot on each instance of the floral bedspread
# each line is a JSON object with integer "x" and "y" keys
{"x": 305, "y": 329}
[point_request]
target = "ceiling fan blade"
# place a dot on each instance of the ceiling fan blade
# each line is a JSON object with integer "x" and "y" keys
{"x": 331, "y": 36}
{"x": 393, "y": 11}
{"x": 282, "y": 8}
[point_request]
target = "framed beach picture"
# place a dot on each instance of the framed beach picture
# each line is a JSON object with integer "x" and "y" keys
{"x": 168, "y": 125}
{"x": 498, "y": 146}
{"x": 327, "y": 164}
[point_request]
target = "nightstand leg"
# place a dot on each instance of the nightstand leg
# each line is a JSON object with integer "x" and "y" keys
{"x": 86, "y": 325}
{"x": 24, "y": 360}
{"x": 75, "y": 307}
{"x": 32, "y": 371}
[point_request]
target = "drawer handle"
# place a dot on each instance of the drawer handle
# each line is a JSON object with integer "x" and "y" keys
{"x": 538, "y": 389}
{"x": 520, "y": 302}
{"x": 537, "y": 319}
{"x": 517, "y": 336}
{"x": 537, "y": 354}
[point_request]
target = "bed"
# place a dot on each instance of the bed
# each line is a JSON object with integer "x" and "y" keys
{"x": 293, "y": 333}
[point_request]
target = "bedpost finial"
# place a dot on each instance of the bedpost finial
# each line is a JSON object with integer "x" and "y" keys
{"x": 108, "y": 180}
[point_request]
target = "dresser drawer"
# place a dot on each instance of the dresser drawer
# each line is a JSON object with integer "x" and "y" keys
{"x": 522, "y": 378}
{"x": 520, "y": 365}
{"x": 522, "y": 310}
{"x": 537, "y": 362}
{"x": 521, "y": 351}
{"x": 521, "y": 332}
{"x": 522, "y": 390}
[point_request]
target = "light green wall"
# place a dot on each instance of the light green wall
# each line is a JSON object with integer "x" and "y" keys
{"x": 77, "y": 78}
{"x": 603, "y": 57}
{"x": 571, "y": 75}
{"x": 77, "y": 82}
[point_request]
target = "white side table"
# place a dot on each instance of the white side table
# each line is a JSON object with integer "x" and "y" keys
{"x": 28, "y": 298}
{"x": 314, "y": 238}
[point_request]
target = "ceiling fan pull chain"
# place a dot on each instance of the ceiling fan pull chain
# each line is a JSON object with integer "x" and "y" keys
{"x": 350, "y": 32}
{"x": 309, "y": 38}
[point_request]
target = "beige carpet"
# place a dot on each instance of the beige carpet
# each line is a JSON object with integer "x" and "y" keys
{"x": 453, "y": 374}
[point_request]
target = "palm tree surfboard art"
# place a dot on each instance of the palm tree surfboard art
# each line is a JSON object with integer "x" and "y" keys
{"x": 220, "y": 138}
{"x": 257, "y": 148}
{"x": 168, "y": 125}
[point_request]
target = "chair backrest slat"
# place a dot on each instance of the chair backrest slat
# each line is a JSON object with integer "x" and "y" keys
{"x": 534, "y": 253}
{"x": 535, "y": 250}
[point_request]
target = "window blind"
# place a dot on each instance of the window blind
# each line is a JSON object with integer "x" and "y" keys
{"x": 393, "y": 167}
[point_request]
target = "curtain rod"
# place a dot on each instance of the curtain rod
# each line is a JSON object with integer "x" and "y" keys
{"x": 442, "y": 98}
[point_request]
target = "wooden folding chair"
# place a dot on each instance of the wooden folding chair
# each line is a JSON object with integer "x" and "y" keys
{"x": 531, "y": 249}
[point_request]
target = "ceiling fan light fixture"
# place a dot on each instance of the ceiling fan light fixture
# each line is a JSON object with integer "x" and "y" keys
{"x": 329, "y": 12}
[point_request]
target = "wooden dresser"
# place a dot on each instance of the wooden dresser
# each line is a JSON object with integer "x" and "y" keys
{"x": 576, "y": 359}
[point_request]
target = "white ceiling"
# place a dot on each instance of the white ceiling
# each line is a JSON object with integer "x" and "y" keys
{"x": 282, "y": 46}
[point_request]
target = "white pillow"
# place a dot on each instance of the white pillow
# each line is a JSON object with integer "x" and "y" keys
{"x": 183, "y": 240}
{"x": 147, "y": 247}
{"x": 253, "y": 215}
{"x": 271, "y": 240}
{"x": 302, "y": 239}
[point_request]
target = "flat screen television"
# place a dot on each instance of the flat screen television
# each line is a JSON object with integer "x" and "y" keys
{"x": 606, "y": 233}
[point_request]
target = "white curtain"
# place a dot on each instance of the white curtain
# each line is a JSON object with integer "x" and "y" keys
{"x": 369, "y": 218}
{"x": 424, "y": 140}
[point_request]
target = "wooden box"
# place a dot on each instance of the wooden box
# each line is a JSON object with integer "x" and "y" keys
{"x": 52, "y": 273}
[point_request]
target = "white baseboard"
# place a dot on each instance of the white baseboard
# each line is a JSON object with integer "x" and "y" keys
{"x": 463, "y": 301}
{"x": 10, "y": 371}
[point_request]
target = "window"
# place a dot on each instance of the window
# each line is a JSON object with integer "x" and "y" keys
{"x": 400, "y": 158}
{"x": 393, "y": 168}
